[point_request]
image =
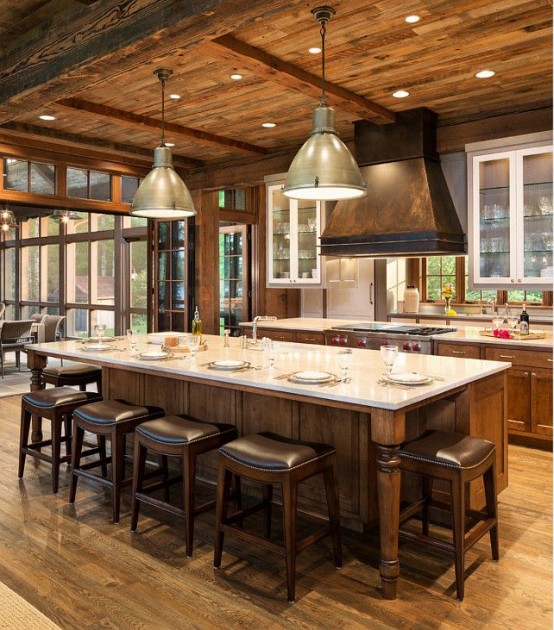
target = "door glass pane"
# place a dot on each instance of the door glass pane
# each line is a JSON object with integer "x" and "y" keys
{"x": 77, "y": 322}
{"x": 49, "y": 226}
{"x": 30, "y": 270}
{"x": 178, "y": 265}
{"x": 101, "y": 222}
{"x": 177, "y": 234}
{"x": 102, "y": 290}
{"x": 50, "y": 285}
{"x": 537, "y": 216}
{"x": 43, "y": 178}
{"x": 232, "y": 294}
{"x": 9, "y": 274}
{"x": 77, "y": 272}
{"x": 103, "y": 317}
{"x": 30, "y": 228}
{"x": 138, "y": 323}
{"x": 280, "y": 220}
{"x": 307, "y": 238}
{"x": 138, "y": 274}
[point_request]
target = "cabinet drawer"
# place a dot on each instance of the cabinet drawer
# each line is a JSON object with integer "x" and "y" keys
{"x": 459, "y": 350}
{"x": 310, "y": 337}
{"x": 276, "y": 335}
{"x": 530, "y": 358}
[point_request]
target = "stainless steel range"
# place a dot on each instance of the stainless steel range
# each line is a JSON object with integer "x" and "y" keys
{"x": 372, "y": 335}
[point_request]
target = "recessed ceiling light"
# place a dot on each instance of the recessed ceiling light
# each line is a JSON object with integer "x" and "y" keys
{"x": 400, "y": 94}
{"x": 314, "y": 50}
{"x": 175, "y": 97}
{"x": 269, "y": 125}
{"x": 484, "y": 74}
{"x": 236, "y": 76}
{"x": 412, "y": 19}
{"x": 47, "y": 117}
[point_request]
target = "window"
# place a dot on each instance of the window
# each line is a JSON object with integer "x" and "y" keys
{"x": 85, "y": 184}
{"x": 232, "y": 199}
{"x": 129, "y": 187}
{"x": 24, "y": 176}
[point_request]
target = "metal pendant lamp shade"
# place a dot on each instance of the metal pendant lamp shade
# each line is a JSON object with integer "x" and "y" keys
{"x": 324, "y": 168}
{"x": 65, "y": 216}
{"x": 162, "y": 194}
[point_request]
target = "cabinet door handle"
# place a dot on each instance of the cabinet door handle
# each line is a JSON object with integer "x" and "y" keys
{"x": 550, "y": 360}
{"x": 519, "y": 279}
{"x": 371, "y": 293}
{"x": 512, "y": 280}
{"x": 534, "y": 374}
{"x": 506, "y": 356}
{"x": 458, "y": 352}
{"x": 526, "y": 374}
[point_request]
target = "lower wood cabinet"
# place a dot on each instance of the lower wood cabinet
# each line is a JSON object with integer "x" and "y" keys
{"x": 529, "y": 386}
{"x": 277, "y": 334}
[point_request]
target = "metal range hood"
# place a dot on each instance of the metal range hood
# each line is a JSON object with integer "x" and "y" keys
{"x": 408, "y": 210}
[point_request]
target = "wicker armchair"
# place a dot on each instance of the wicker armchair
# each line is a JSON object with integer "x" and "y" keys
{"x": 53, "y": 327}
{"x": 38, "y": 317}
{"x": 13, "y": 337}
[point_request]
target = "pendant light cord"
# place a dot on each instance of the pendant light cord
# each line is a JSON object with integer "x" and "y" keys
{"x": 162, "y": 81}
{"x": 322, "y": 31}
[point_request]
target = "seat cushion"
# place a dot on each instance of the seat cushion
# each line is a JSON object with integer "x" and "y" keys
{"x": 180, "y": 429}
{"x": 112, "y": 411}
{"x": 269, "y": 451}
{"x": 73, "y": 371}
{"x": 58, "y": 396}
{"x": 451, "y": 449}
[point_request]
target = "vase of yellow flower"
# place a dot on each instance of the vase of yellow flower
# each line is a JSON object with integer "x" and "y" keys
{"x": 447, "y": 293}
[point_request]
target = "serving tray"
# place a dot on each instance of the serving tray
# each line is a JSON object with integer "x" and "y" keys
{"x": 515, "y": 335}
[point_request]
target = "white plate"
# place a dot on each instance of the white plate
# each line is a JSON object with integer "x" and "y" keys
{"x": 96, "y": 347}
{"x": 97, "y": 340}
{"x": 229, "y": 364}
{"x": 410, "y": 378}
{"x": 312, "y": 376}
{"x": 153, "y": 356}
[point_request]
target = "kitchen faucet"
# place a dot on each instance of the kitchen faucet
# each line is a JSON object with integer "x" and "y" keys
{"x": 260, "y": 318}
{"x": 493, "y": 305}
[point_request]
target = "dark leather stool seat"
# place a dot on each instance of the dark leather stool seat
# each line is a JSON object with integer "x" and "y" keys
{"x": 56, "y": 405}
{"x": 81, "y": 375}
{"x": 112, "y": 419}
{"x": 457, "y": 459}
{"x": 269, "y": 458}
{"x": 175, "y": 436}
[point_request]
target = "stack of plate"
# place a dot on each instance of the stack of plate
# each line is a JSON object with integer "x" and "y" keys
{"x": 153, "y": 355}
{"x": 409, "y": 378}
{"x": 229, "y": 365}
{"x": 312, "y": 377}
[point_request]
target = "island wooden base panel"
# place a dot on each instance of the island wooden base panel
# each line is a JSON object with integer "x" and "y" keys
{"x": 82, "y": 571}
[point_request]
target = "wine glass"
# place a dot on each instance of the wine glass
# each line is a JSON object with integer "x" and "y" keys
{"x": 344, "y": 361}
{"x": 513, "y": 321}
{"x": 132, "y": 339}
{"x": 100, "y": 330}
{"x": 389, "y": 354}
{"x": 194, "y": 344}
{"x": 497, "y": 321}
{"x": 311, "y": 224}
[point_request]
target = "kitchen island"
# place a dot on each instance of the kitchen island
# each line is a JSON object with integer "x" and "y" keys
{"x": 365, "y": 420}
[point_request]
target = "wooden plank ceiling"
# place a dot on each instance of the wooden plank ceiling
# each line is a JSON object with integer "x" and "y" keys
{"x": 90, "y": 64}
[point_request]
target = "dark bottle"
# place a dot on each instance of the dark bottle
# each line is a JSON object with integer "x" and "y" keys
{"x": 524, "y": 322}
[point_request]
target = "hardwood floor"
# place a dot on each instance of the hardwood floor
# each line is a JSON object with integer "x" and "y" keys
{"x": 81, "y": 571}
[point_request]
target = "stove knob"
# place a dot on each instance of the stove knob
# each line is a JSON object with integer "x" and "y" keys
{"x": 362, "y": 342}
{"x": 416, "y": 347}
{"x": 343, "y": 341}
{"x": 335, "y": 340}
{"x": 407, "y": 347}
{"x": 385, "y": 342}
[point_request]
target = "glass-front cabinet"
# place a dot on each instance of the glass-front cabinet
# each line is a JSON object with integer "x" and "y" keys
{"x": 293, "y": 231}
{"x": 511, "y": 218}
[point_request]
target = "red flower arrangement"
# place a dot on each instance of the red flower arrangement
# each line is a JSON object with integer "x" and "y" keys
{"x": 502, "y": 334}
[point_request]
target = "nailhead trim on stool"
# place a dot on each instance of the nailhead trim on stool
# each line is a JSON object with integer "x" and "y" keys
{"x": 81, "y": 375}
{"x": 112, "y": 419}
{"x": 175, "y": 436}
{"x": 269, "y": 458}
{"x": 56, "y": 405}
{"x": 458, "y": 459}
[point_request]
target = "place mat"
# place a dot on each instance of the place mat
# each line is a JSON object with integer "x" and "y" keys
{"x": 312, "y": 377}
{"x": 515, "y": 335}
{"x": 228, "y": 365}
{"x": 409, "y": 378}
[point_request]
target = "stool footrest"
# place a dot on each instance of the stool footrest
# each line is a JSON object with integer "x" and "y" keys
{"x": 43, "y": 456}
{"x": 427, "y": 540}
{"x": 478, "y": 531}
{"x": 253, "y": 538}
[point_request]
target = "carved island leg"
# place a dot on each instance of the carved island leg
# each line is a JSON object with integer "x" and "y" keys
{"x": 388, "y": 432}
{"x": 36, "y": 362}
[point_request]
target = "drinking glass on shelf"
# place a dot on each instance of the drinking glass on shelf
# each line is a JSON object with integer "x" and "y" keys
{"x": 194, "y": 345}
{"x": 132, "y": 339}
{"x": 344, "y": 361}
{"x": 389, "y": 354}
{"x": 311, "y": 224}
{"x": 100, "y": 329}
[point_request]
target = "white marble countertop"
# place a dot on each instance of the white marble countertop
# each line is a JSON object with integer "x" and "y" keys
{"x": 311, "y": 324}
{"x": 465, "y": 317}
{"x": 363, "y": 389}
{"x": 472, "y": 335}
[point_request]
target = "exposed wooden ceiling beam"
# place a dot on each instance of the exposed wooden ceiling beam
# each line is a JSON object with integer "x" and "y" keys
{"x": 272, "y": 68}
{"x": 113, "y": 115}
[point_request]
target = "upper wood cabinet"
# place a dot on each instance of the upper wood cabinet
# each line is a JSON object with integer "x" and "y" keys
{"x": 293, "y": 231}
{"x": 510, "y": 217}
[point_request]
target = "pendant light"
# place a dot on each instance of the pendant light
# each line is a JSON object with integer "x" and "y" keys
{"x": 7, "y": 220}
{"x": 324, "y": 168}
{"x": 162, "y": 194}
{"x": 65, "y": 216}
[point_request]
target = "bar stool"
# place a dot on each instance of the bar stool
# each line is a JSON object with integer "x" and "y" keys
{"x": 269, "y": 458}
{"x": 458, "y": 459}
{"x": 56, "y": 405}
{"x": 81, "y": 375}
{"x": 112, "y": 419}
{"x": 175, "y": 436}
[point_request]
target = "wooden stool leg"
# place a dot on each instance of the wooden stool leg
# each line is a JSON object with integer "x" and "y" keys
{"x": 67, "y": 433}
{"x": 165, "y": 476}
{"x": 289, "y": 527}
{"x": 333, "y": 507}
{"x": 77, "y": 448}
{"x": 189, "y": 478}
{"x": 25, "y": 427}
{"x": 56, "y": 423}
{"x": 101, "y": 440}
{"x": 458, "y": 532}
{"x": 267, "y": 499}
{"x": 222, "y": 507}
{"x": 138, "y": 475}
{"x": 118, "y": 466}
{"x": 489, "y": 479}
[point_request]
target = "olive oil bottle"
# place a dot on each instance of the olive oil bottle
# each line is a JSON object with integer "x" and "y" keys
{"x": 197, "y": 324}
